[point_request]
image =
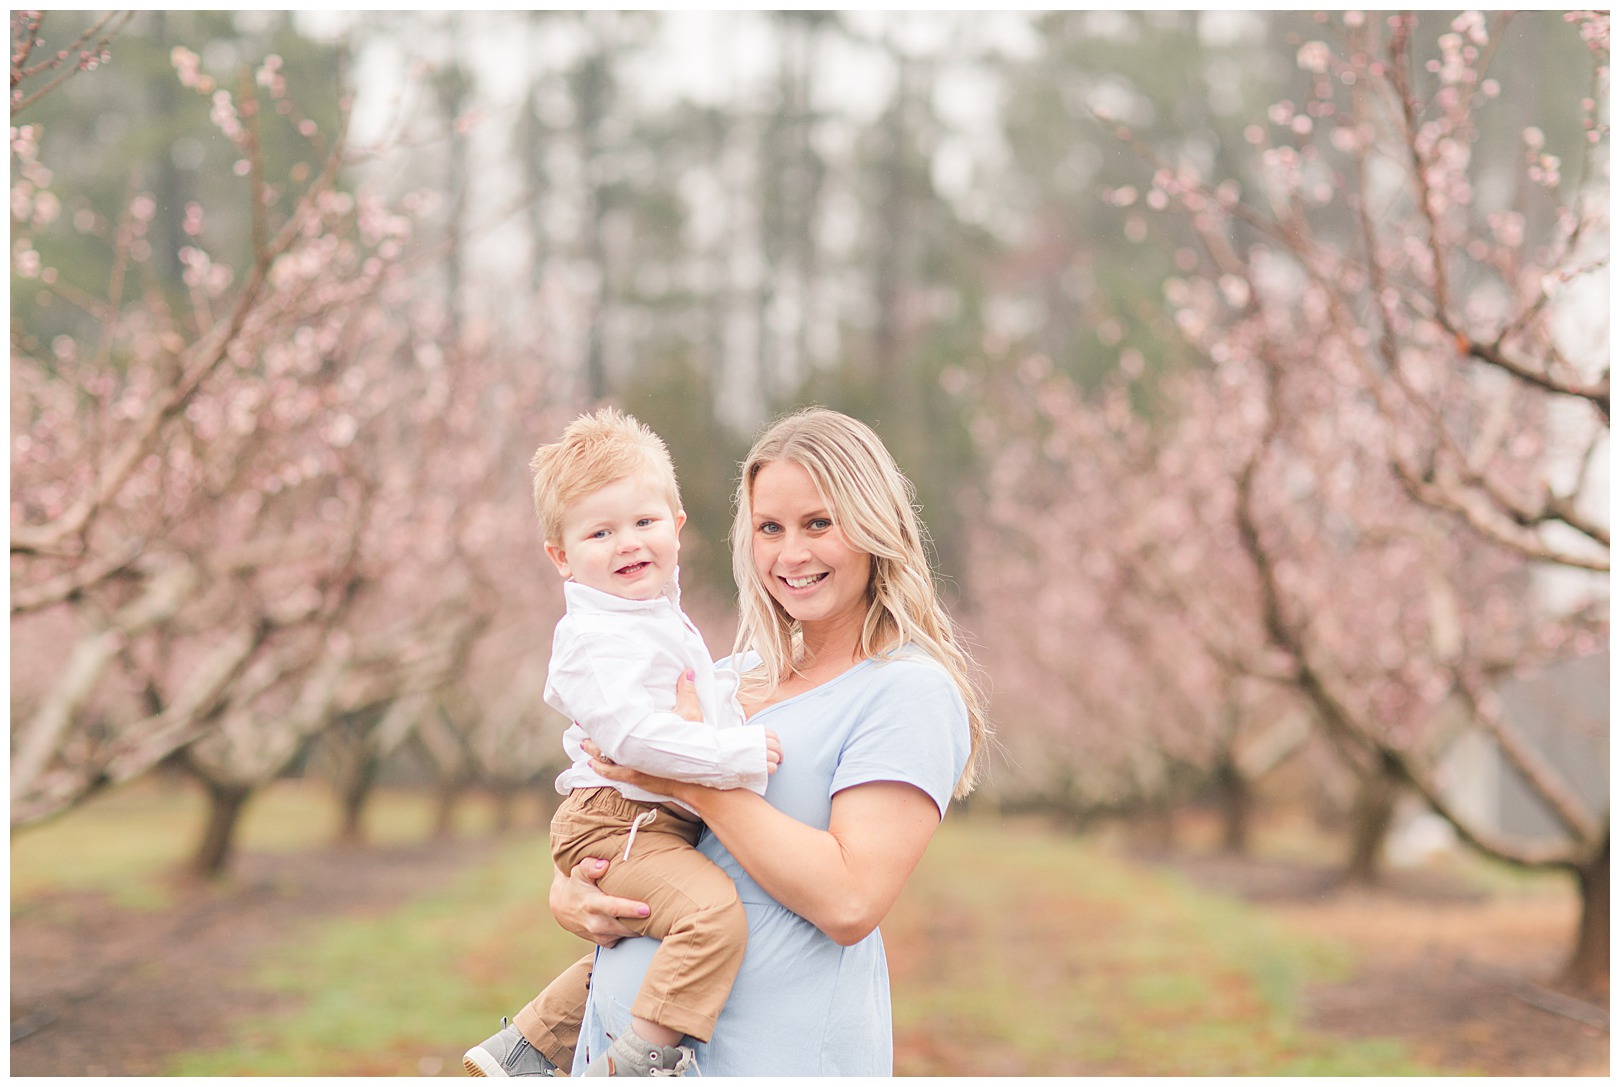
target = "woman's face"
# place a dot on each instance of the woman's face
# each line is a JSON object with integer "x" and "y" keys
{"x": 801, "y": 554}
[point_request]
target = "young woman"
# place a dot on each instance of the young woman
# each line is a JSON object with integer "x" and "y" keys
{"x": 847, "y": 655}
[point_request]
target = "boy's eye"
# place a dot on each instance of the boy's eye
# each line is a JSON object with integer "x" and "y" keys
{"x": 599, "y": 534}
{"x": 645, "y": 521}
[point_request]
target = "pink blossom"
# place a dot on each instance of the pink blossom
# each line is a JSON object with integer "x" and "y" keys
{"x": 1471, "y": 24}
{"x": 186, "y": 64}
{"x": 224, "y": 116}
{"x": 1314, "y": 56}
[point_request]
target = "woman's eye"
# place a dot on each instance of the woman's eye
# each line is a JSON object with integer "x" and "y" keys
{"x": 770, "y": 528}
{"x": 820, "y": 524}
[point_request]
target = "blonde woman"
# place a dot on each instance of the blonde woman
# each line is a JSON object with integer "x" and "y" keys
{"x": 847, "y": 655}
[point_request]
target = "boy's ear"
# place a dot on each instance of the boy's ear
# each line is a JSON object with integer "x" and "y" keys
{"x": 559, "y": 559}
{"x": 680, "y": 519}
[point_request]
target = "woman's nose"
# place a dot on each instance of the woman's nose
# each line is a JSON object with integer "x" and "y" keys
{"x": 793, "y": 548}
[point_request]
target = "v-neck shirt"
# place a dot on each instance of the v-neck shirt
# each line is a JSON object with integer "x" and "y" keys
{"x": 803, "y": 1005}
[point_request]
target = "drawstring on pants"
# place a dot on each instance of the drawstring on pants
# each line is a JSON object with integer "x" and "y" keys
{"x": 640, "y": 821}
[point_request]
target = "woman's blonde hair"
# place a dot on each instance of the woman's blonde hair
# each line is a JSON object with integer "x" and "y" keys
{"x": 872, "y": 503}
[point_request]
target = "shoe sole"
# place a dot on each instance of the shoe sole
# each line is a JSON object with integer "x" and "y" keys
{"x": 474, "y": 1063}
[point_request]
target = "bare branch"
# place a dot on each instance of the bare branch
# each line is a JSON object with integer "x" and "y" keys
{"x": 29, "y": 26}
{"x": 1595, "y": 391}
{"x": 68, "y": 585}
{"x": 201, "y": 361}
{"x": 83, "y": 670}
{"x": 1528, "y": 545}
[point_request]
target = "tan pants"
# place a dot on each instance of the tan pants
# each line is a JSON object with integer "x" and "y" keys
{"x": 694, "y": 913}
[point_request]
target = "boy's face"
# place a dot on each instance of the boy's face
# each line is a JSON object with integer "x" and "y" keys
{"x": 623, "y": 539}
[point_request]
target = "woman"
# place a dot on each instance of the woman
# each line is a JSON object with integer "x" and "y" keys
{"x": 847, "y": 655}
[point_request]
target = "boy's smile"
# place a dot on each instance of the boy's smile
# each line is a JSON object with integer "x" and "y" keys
{"x": 622, "y": 539}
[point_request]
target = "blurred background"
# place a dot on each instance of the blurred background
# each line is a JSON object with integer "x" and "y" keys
{"x": 1252, "y": 370}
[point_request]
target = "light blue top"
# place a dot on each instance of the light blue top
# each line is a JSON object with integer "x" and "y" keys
{"x": 802, "y": 1005}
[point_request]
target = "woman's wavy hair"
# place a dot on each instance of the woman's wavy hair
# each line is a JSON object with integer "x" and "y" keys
{"x": 872, "y": 503}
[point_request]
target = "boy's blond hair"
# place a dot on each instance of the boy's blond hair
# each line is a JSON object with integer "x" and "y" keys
{"x": 595, "y": 450}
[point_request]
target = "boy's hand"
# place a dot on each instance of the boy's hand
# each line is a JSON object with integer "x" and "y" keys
{"x": 686, "y": 704}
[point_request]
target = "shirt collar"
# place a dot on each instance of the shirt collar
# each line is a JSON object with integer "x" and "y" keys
{"x": 576, "y": 594}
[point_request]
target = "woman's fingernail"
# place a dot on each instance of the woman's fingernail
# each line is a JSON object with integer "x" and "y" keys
{"x": 643, "y": 911}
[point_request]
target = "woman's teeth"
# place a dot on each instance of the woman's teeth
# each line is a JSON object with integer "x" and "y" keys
{"x": 803, "y": 582}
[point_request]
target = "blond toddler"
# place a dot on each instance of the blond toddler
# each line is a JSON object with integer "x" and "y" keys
{"x": 610, "y": 510}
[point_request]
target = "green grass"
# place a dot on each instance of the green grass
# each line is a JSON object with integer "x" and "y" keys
{"x": 116, "y": 842}
{"x": 397, "y": 994}
{"x": 405, "y": 993}
{"x": 1014, "y": 951}
{"x": 128, "y": 841}
{"x": 1032, "y": 953}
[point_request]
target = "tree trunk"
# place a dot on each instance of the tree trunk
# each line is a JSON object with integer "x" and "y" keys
{"x": 445, "y": 802}
{"x": 225, "y": 805}
{"x": 505, "y": 801}
{"x": 1156, "y": 825}
{"x": 354, "y": 792}
{"x": 1236, "y": 801}
{"x": 593, "y": 86}
{"x": 1371, "y": 813}
{"x": 550, "y": 801}
{"x": 1588, "y": 968}
{"x": 889, "y": 269}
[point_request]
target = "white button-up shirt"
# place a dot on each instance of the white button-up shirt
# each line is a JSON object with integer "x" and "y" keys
{"x": 614, "y": 665}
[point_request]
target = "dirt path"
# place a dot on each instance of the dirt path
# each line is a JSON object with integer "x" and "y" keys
{"x": 99, "y": 990}
{"x": 1466, "y": 979}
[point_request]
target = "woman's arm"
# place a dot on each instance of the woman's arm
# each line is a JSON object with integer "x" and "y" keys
{"x": 602, "y": 679}
{"x": 586, "y": 910}
{"x": 843, "y": 879}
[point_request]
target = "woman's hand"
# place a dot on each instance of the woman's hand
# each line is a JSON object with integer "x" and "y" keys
{"x": 587, "y": 911}
{"x": 686, "y": 699}
{"x": 625, "y": 775}
{"x": 687, "y": 706}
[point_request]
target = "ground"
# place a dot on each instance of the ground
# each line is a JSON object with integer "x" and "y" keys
{"x": 162, "y": 982}
{"x": 1466, "y": 978}
{"x": 1462, "y": 977}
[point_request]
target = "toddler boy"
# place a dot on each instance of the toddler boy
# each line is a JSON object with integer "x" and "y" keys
{"x": 610, "y": 509}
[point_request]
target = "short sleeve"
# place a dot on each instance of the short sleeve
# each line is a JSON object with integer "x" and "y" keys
{"x": 914, "y": 728}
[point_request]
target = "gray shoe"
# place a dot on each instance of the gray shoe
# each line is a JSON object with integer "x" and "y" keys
{"x": 629, "y": 1055}
{"x": 507, "y": 1053}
